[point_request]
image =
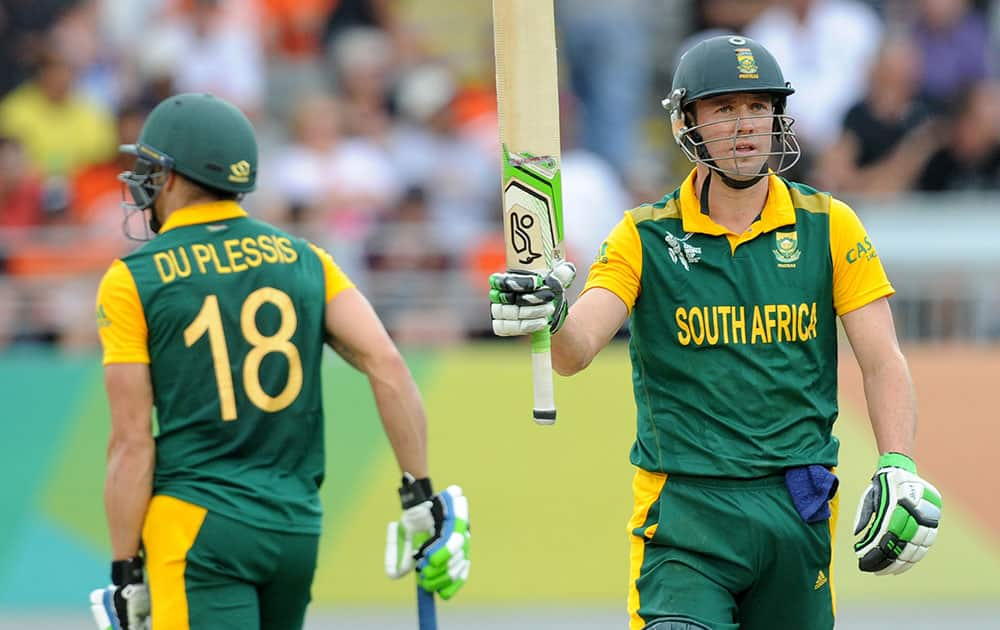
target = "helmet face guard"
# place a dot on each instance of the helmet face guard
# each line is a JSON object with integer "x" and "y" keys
{"x": 731, "y": 64}
{"x": 141, "y": 186}
{"x": 783, "y": 146}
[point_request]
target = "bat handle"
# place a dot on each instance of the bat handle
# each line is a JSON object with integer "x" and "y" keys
{"x": 426, "y": 612}
{"x": 541, "y": 372}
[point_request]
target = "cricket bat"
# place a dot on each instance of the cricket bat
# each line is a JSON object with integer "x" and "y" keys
{"x": 528, "y": 111}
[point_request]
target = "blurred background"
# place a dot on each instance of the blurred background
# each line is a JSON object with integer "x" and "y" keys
{"x": 378, "y": 138}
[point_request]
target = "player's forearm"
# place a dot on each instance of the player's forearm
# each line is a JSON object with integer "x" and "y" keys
{"x": 892, "y": 405}
{"x": 572, "y": 347}
{"x": 127, "y": 490}
{"x": 402, "y": 412}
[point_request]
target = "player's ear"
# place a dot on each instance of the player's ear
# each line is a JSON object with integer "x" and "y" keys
{"x": 690, "y": 116}
{"x": 170, "y": 180}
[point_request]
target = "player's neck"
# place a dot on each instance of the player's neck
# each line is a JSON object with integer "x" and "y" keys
{"x": 171, "y": 203}
{"x": 733, "y": 209}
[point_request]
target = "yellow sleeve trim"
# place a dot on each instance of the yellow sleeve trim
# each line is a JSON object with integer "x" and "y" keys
{"x": 858, "y": 275}
{"x": 865, "y": 299}
{"x": 336, "y": 279}
{"x": 618, "y": 266}
{"x": 121, "y": 321}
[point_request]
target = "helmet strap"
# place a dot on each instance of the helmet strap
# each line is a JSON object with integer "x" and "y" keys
{"x": 738, "y": 184}
{"x": 154, "y": 223}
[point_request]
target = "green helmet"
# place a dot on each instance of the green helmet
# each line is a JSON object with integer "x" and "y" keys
{"x": 204, "y": 138}
{"x": 729, "y": 64}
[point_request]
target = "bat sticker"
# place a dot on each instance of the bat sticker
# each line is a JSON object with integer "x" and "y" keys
{"x": 520, "y": 237}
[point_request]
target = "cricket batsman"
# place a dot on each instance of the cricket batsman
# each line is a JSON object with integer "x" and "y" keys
{"x": 219, "y": 324}
{"x": 732, "y": 285}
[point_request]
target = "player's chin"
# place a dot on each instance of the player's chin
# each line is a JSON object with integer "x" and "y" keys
{"x": 743, "y": 167}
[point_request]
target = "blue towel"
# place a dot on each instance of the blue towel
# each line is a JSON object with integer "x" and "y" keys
{"x": 811, "y": 488}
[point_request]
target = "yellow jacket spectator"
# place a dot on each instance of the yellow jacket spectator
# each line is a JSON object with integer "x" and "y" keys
{"x": 60, "y": 130}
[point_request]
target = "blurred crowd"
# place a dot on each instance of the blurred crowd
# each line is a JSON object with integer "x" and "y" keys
{"x": 378, "y": 137}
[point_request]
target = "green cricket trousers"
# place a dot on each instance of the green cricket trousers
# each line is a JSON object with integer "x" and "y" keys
{"x": 209, "y": 572}
{"x": 728, "y": 554}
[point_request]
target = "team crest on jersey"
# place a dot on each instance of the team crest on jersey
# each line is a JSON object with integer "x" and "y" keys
{"x": 747, "y": 64}
{"x": 787, "y": 250}
{"x": 680, "y": 252}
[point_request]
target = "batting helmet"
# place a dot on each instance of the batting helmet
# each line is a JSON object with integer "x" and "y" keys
{"x": 729, "y": 64}
{"x": 204, "y": 138}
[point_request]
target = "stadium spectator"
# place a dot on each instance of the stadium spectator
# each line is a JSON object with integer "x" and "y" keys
{"x": 78, "y": 35}
{"x": 409, "y": 271}
{"x": 21, "y": 208}
{"x": 383, "y": 15}
{"x": 953, "y": 40}
{"x": 20, "y": 191}
{"x": 60, "y": 129}
{"x": 207, "y": 46}
{"x": 888, "y": 137}
{"x": 293, "y": 41}
{"x": 362, "y": 61}
{"x": 96, "y": 193}
{"x": 606, "y": 47}
{"x": 592, "y": 189}
{"x": 826, "y": 48}
{"x": 719, "y": 17}
{"x": 332, "y": 186}
{"x": 60, "y": 266}
{"x": 24, "y": 26}
{"x": 970, "y": 160}
{"x": 430, "y": 150}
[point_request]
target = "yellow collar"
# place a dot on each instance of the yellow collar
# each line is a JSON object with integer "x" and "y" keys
{"x": 203, "y": 213}
{"x": 778, "y": 209}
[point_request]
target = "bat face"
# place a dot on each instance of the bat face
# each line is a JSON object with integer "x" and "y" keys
{"x": 531, "y": 196}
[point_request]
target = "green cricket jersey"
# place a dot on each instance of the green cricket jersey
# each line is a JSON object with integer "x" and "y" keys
{"x": 229, "y": 314}
{"x": 734, "y": 337}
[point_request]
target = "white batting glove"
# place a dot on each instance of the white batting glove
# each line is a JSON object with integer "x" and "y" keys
{"x": 414, "y": 528}
{"x": 124, "y": 604}
{"x": 524, "y": 302}
{"x": 897, "y": 517}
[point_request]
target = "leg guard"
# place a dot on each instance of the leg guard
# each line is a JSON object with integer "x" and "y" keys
{"x": 674, "y": 623}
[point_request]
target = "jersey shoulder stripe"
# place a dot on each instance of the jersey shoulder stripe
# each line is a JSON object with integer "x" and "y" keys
{"x": 669, "y": 207}
{"x": 807, "y": 198}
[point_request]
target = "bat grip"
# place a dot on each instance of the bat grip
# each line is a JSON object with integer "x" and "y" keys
{"x": 426, "y": 612}
{"x": 541, "y": 373}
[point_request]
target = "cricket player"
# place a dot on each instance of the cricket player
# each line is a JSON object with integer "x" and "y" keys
{"x": 732, "y": 284}
{"x": 219, "y": 323}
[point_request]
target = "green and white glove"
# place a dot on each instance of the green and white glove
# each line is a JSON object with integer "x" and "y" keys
{"x": 523, "y": 302}
{"x": 432, "y": 535}
{"x": 897, "y": 517}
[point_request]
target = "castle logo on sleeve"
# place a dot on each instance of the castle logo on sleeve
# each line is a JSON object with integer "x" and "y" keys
{"x": 787, "y": 250}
